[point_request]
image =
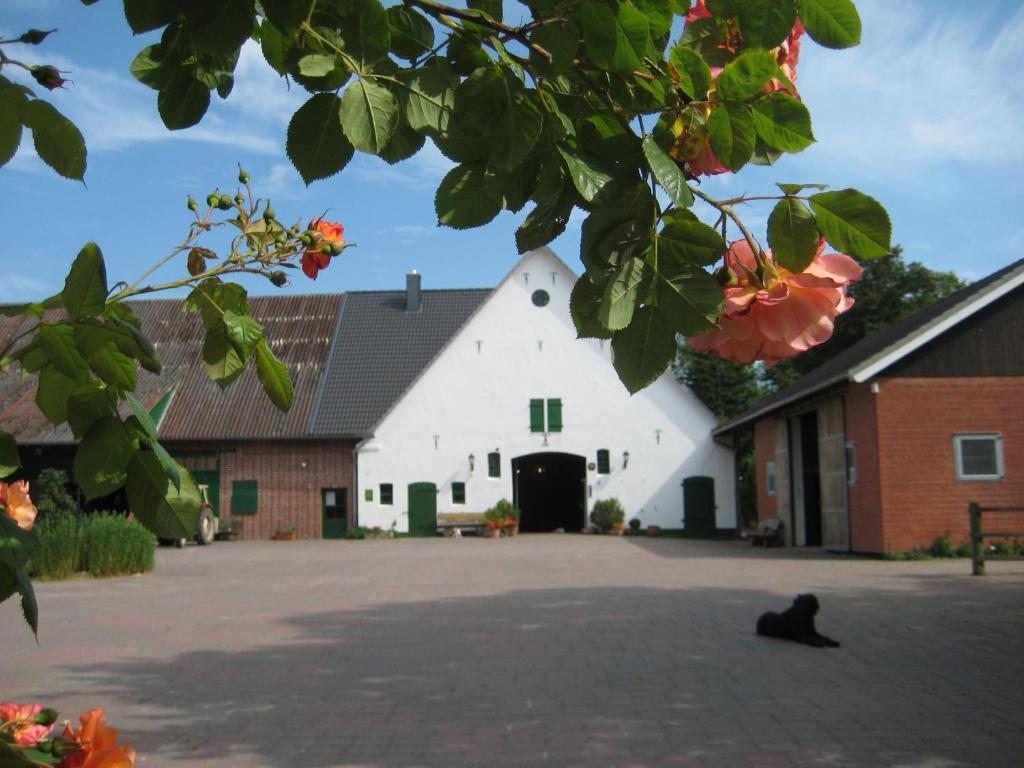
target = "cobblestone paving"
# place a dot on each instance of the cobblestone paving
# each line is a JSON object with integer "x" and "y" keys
{"x": 534, "y": 651}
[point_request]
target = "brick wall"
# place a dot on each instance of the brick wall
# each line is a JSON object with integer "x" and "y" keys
{"x": 288, "y": 492}
{"x": 764, "y": 451}
{"x": 917, "y": 418}
{"x": 865, "y": 500}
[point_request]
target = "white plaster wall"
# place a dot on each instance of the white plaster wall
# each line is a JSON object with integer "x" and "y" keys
{"x": 474, "y": 399}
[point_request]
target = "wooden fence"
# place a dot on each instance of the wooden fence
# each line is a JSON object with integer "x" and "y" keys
{"x": 974, "y": 509}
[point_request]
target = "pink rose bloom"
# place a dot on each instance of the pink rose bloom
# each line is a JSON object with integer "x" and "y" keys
{"x": 18, "y": 504}
{"x": 787, "y": 315}
{"x": 25, "y": 733}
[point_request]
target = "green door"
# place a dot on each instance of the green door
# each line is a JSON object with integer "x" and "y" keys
{"x": 699, "y": 505}
{"x": 211, "y": 479}
{"x": 422, "y": 509}
{"x": 335, "y": 502}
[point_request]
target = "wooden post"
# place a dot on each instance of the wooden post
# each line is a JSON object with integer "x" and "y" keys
{"x": 977, "y": 548}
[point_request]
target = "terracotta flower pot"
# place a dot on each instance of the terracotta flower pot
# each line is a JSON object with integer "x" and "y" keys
{"x": 285, "y": 536}
{"x": 653, "y": 530}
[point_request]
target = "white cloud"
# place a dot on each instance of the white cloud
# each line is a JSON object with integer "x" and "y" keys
{"x": 16, "y": 288}
{"x": 424, "y": 170}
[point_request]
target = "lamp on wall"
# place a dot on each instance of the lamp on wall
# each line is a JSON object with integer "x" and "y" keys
{"x": 625, "y": 459}
{"x": 472, "y": 462}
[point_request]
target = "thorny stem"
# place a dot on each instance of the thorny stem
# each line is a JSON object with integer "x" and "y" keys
{"x": 439, "y": 11}
{"x": 726, "y": 210}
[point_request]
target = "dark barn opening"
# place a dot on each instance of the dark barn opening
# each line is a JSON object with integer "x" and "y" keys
{"x": 550, "y": 491}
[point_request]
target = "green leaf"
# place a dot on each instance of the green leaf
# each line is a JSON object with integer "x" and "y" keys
{"x": 146, "y": 15}
{"x": 316, "y": 65}
{"x": 369, "y": 114}
{"x": 149, "y": 69}
{"x": 183, "y": 104}
{"x": 691, "y": 241}
{"x": 622, "y": 294}
{"x": 52, "y": 394}
{"x": 101, "y": 460}
{"x": 831, "y": 23}
{"x": 284, "y": 14}
{"x": 149, "y": 427}
{"x": 29, "y": 606}
{"x": 85, "y": 288}
{"x": 273, "y": 375}
{"x": 796, "y": 189}
{"x": 9, "y": 459}
{"x": 364, "y": 28}
{"x": 694, "y": 73}
{"x": 853, "y": 223}
{"x": 11, "y": 101}
{"x": 16, "y": 546}
{"x": 632, "y": 39}
{"x": 744, "y": 78}
{"x": 561, "y": 41}
{"x": 243, "y": 333}
{"x": 585, "y": 306}
{"x": 222, "y": 361}
{"x": 587, "y": 173}
{"x": 57, "y": 141}
{"x": 688, "y": 298}
{"x": 61, "y": 349}
{"x": 766, "y": 23}
{"x": 462, "y": 201}
{"x": 220, "y": 27}
{"x": 599, "y": 33}
{"x": 732, "y": 136}
{"x": 546, "y": 222}
{"x": 144, "y": 351}
{"x": 428, "y": 96}
{"x": 405, "y": 142}
{"x": 667, "y": 172}
{"x": 411, "y": 33}
{"x": 517, "y": 130}
{"x": 642, "y": 352}
{"x": 165, "y": 510}
{"x": 792, "y": 234}
{"x": 783, "y": 122}
{"x": 316, "y": 144}
{"x": 99, "y": 347}
{"x": 87, "y": 404}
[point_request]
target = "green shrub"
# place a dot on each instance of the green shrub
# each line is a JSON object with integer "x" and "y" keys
{"x": 964, "y": 550}
{"x": 942, "y": 546}
{"x": 50, "y": 493}
{"x": 606, "y": 513}
{"x": 1001, "y": 547}
{"x": 634, "y": 524}
{"x": 356, "y": 534}
{"x": 60, "y": 548}
{"x": 116, "y": 546}
{"x": 505, "y": 510}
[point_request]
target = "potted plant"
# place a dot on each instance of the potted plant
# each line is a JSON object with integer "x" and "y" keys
{"x": 608, "y": 516}
{"x": 285, "y": 533}
{"x": 653, "y": 530}
{"x": 495, "y": 521}
{"x": 510, "y": 517}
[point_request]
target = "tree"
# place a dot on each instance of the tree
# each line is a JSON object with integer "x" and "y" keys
{"x": 889, "y": 290}
{"x": 584, "y": 105}
{"x": 726, "y": 387}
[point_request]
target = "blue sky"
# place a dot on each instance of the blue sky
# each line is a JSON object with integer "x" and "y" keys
{"x": 925, "y": 115}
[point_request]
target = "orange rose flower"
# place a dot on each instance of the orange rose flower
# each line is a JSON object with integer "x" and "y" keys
{"x": 99, "y": 745}
{"x": 18, "y": 504}
{"x": 782, "y": 314}
{"x": 331, "y": 242}
{"x": 21, "y": 727}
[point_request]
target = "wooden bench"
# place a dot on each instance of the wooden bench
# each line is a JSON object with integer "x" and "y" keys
{"x": 770, "y": 533}
{"x": 448, "y": 522}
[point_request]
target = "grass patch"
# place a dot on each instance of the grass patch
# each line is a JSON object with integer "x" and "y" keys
{"x": 105, "y": 544}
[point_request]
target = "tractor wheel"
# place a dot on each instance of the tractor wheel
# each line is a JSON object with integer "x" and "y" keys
{"x": 204, "y": 531}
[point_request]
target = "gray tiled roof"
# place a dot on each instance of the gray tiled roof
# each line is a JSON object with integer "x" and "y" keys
{"x": 841, "y": 367}
{"x": 379, "y": 350}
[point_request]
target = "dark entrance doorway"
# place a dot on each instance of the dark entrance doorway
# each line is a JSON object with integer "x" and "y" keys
{"x": 550, "y": 491}
{"x": 811, "y": 478}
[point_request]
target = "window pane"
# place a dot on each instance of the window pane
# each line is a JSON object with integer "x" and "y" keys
{"x": 243, "y": 497}
{"x": 458, "y": 493}
{"x": 770, "y": 478}
{"x": 978, "y": 456}
{"x": 494, "y": 465}
{"x": 603, "y": 462}
{"x": 386, "y": 494}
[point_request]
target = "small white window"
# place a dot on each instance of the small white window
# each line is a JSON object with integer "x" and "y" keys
{"x": 978, "y": 456}
{"x": 770, "y": 481}
{"x": 851, "y": 463}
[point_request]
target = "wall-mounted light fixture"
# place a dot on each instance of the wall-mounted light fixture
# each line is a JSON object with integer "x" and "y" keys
{"x": 472, "y": 463}
{"x": 625, "y": 459}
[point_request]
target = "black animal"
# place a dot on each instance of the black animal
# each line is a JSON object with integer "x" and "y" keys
{"x": 795, "y": 623}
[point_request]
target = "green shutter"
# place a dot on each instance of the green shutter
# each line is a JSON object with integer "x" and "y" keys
{"x": 555, "y": 415}
{"x": 536, "y": 415}
{"x": 603, "y": 462}
{"x": 244, "y": 497}
{"x": 494, "y": 464}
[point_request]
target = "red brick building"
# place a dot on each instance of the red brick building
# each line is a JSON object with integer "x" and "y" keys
{"x": 882, "y": 447}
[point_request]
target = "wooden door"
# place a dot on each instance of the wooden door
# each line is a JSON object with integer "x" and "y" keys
{"x": 335, "y": 505}
{"x": 835, "y": 515}
{"x": 422, "y": 509}
{"x": 699, "y": 505}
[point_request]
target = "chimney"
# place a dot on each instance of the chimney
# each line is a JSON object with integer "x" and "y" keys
{"x": 412, "y": 292}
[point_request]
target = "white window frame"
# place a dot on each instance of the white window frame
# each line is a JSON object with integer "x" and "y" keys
{"x": 851, "y": 462}
{"x": 771, "y": 481}
{"x": 997, "y": 438}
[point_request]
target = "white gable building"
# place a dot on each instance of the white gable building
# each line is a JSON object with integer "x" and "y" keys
{"x": 515, "y": 406}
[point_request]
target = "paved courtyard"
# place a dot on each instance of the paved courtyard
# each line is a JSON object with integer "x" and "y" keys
{"x": 542, "y": 650}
